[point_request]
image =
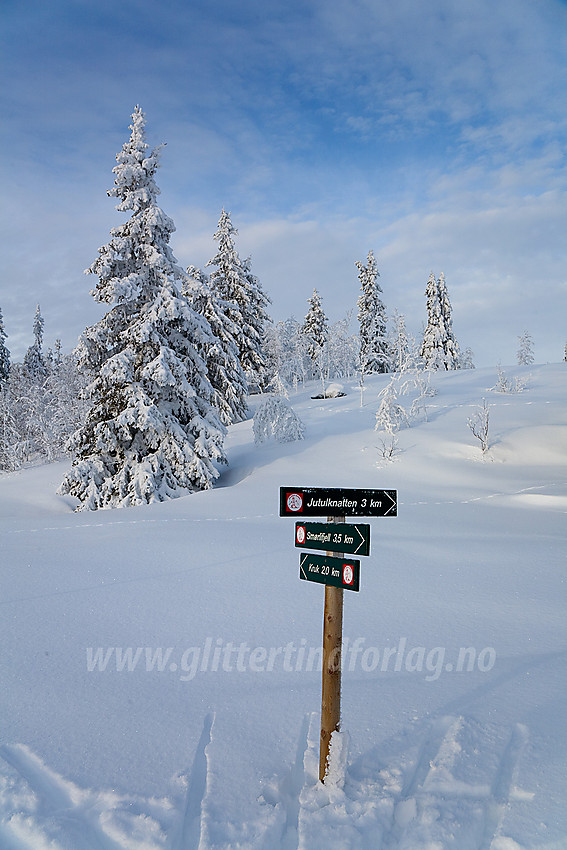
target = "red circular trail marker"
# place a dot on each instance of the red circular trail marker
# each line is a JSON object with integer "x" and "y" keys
{"x": 294, "y": 502}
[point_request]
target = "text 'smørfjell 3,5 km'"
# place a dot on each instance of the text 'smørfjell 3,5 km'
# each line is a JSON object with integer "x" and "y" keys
{"x": 353, "y": 538}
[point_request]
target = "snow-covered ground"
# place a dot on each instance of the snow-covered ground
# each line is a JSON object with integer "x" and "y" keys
{"x": 160, "y": 686}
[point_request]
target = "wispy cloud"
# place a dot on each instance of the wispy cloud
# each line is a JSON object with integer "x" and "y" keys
{"x": 434, "y": 133}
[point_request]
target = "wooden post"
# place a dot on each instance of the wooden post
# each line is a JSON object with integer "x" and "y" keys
{"x": 331, "y": 679}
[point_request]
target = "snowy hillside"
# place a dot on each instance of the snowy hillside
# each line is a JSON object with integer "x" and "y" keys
{"x": 160, "y": 686}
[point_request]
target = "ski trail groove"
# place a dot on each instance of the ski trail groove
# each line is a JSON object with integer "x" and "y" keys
{"x": 191, "y": 837}
{"x": 436, "y": 747}
{"x": 501, "y": 788}
{"x": 60, "y": 799}
{"x": 292, "y": 789}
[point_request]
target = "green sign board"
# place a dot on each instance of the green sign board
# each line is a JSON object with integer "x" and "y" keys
{"x": 338, "y": 572}
{"x": 352, "y": 538}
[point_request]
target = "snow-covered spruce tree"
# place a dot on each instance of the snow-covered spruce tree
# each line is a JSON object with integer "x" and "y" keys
{"x": 254, "y": 358}
{"x": 374, "y": 354}
{"x": 35, "y": 365}
{"x": 151, "y": 432}
{"x": 452, "y": 353}
{"x": 525, "y": 349}
{"x": 432, "y": 350}
{"x": 398, "y": 343}
{"x": 315, "y": 328}
{"x": 4, "y": 354}
{"x": 233, "y": 282}
{"x": 439, "y": 348}
{"x": 219, "y": 351}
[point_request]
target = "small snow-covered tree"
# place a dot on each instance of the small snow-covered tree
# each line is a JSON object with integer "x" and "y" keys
{"x": 467, "y": 359}
{"x": 232, "y": 280}
{"x": 509, "y": 385}
{"x": 374, "y": 349}
{"x": 151, "y": 431}
{"x": 439, "y": 348}
{"x": 4, "y": 354}
{"x": 219, "y": 349}
{"x": 34, "y": 361}
{"x": 525, "y": 349}
{"x": 416, "y": 383}
{"x": 391, "y": 415}
{"x": 276, "y": 418}
{"x": 479, "y": 425}
{"x": 315, "y": 328}
{"x": 398, "y": 343}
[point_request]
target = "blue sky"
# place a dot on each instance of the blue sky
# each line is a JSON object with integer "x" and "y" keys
{"x": 432, "y": 133}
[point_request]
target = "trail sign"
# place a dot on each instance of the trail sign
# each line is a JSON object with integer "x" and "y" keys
{"x": 352, "y": 538}
{"x": 321, "y": 501}
{"x": 337, "y": 572}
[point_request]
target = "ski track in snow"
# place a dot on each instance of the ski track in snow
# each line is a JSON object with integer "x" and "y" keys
{"x": 561, "y": 507}
{"x": 377, "y": 807}
{"x": 193, "y": 824}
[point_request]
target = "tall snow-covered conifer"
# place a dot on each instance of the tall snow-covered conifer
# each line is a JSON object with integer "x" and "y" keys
{"x": 315, "y": 327}
{"x": 452, "y": 353}
{"x": 151, "y": 432}
{"x": 439, "y": 348}
{"x": 254, "y": 360}
{"x": 374, "y": 349}
{"x": 4, "y": 354}
{"x": 233, "y": 281}
{"x": 35, "y": 366}
{"x": 220, "y": 353}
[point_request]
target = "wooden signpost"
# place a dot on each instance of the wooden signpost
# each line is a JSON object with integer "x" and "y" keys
{"x": 335, "y": 570}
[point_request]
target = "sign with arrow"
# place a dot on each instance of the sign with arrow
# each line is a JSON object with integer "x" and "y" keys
{"x": 351, "y": 538}
{"x": 321, "y": 501}
{"x": 335, "y": 570}
{"x": 338, "y": 572}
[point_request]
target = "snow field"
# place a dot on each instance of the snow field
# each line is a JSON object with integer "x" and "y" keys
{"x": 429, "y": 757}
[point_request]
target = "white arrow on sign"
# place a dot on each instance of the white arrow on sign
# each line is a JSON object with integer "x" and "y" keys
{"x": 392, "y": 506}
{"x": 362, "y": 540}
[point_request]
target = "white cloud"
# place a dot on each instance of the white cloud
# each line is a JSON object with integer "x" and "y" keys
{"x": 433, "y": 133}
